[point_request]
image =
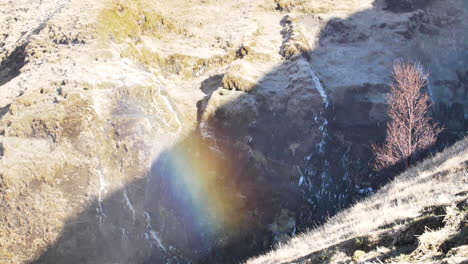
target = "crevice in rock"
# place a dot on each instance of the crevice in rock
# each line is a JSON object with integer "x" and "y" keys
{"x": 208, "y": 86}
{"x": 11, "y": 66}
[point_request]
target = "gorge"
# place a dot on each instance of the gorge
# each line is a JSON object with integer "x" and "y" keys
{"x": 202, "y": 131}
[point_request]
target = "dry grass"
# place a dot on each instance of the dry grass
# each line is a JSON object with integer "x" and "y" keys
{"x": 431, "y": 183}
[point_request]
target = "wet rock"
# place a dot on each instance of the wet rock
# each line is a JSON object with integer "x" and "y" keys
{"x": 428, "y": 29}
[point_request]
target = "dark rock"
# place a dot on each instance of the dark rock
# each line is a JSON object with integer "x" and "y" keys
{"x": 400, "y": 6}
{"x": 340, "y": 32}
{"x": 428, "y": 29}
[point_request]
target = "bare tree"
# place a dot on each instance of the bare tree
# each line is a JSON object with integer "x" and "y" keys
{"x": 410, "y": 130}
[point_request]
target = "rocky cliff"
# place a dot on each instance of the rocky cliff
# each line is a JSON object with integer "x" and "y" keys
{"x": 175, "y": 131}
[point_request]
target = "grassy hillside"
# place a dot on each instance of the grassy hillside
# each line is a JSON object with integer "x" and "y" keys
{"x": 421, "y": 217}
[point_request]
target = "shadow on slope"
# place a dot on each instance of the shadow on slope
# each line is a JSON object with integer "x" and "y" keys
{"x": 405, "y": 221}
{"x": 10, "y": 67}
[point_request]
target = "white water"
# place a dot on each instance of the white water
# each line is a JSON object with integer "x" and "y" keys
{"x": 171, "y": 109}
{"x": 323, "y": 130}
{"x": 102, "y": 190}
{"x": 322, "y": 121}
{"x": 326, "y": 103}
{"x": 129, "y": 204}
{"x": 152, "y": 235}
{"x": 323, "y": 127}
{"x": 364, "y": 190}
{"x": 140, "y": 77}
{"x": 319, "y": 87}
{"x": 345, "y": 163}
{"x": 124, "y": 234}
{"x": 206, "y": 134}
{"x": 301, "y": 180}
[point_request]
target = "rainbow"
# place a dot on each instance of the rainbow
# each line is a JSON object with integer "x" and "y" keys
{"x": 202, "y": 185}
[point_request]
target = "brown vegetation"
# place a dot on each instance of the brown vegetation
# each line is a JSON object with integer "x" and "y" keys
{"x": 410, "y": 130}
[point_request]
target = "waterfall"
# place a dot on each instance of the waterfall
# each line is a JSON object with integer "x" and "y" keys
{"x": 102, "y": 189}
{"x": 175, "y": 116}
{"x": 129, "y": 204}
{"x": 319, "y": 87}
{"x": 150, "y": 234}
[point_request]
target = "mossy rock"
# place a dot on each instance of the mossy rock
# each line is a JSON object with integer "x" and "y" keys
{"x": 143, "y": 55}
{"x": 124, "y": 20}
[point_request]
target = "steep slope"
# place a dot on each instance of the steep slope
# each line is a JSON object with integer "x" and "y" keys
{"x": 173, "y": 131}
{"x": 421, "y": 217}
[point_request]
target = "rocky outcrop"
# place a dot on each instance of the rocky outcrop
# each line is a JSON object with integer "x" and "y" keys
{"x": 339, "y": 31}
{"x": 241, "y": 76}
{"x": 406, "y": 5}
{"x": 294, "y": 42}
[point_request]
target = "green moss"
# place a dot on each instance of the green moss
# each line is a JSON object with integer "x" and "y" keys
{"x": 124, "y": 20}
{"x": 78, "y": 111}
{"x": 143, "y": 55}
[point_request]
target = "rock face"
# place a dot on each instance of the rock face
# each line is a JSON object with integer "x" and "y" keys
{"x": 406, "y": 5}
{"x": 144, "y": 132}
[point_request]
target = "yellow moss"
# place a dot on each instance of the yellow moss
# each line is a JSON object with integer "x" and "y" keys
{"x": 143, "y": 55}
{"x": 258, "y": 57}
{"x": 124, "y": 20}
{"x": 29, "y": 99}
{"x": 78, "y": 112}
{"x": 359, "y": 254}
